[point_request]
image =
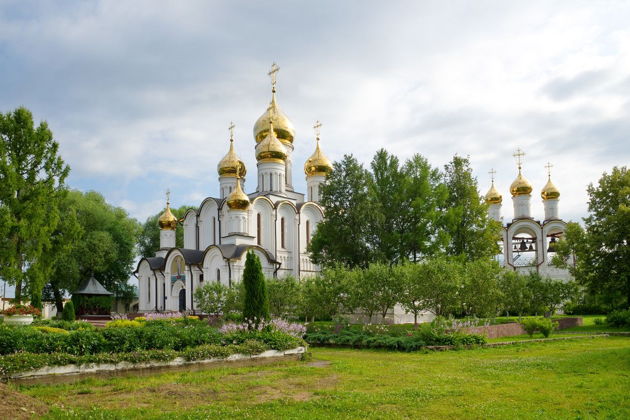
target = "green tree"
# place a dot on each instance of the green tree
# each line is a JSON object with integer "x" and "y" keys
{"x": 601, "y": 250}
{"x": 68, "y": 312}
{"x": 390, "y": 209}
{"x": 284, "y": 296}
{"x": 94, "y": 238}
{"x": 149, "y": 238}
{"x": 344, "y": 236}
{"x": 517, "y": 296}
{"x": 469, "y": 230}
{"x": 33, "y": 176}
{"x": 424, "y": 195}
{"x": 324, "y": 296}
{"x": 481, "y": 294}
{"x": 256, "y": 302}
{"x": 413, "y": 297}
{"x": 376, "y": 289}
{"x": 442, "y": 281}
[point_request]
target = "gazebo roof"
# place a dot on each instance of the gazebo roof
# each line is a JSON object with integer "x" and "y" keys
{"x": 91, "y": 286}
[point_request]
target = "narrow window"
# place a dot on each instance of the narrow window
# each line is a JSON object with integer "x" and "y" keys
{"x": 282, "y": 232}
{"x": 258, "y": 229}
{"x": 200, "y": 278}
{"x": 214, "y": 230}
{"x": 271, "y": 182}
{"x": 308, "y": 232}
{"x": 149, "y": 289}
{"x": 218, "y": 276}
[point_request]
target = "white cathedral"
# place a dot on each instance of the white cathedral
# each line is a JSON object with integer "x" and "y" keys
{"x": 528, "y": 244}
{"x": 275, "y": 221}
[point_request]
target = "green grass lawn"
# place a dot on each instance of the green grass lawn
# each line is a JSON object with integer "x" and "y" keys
{"x": 570, "y": 379}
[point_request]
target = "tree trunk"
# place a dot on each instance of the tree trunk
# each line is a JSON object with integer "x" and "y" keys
{"x": 415, "y": 319}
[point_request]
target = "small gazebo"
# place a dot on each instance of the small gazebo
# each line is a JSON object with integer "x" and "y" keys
{"x": 91, "y": 298}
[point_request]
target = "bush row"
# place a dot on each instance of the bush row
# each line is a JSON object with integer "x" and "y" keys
{"x": 151, "y": 336}
{"x": 22, "y": 362}
{"x": 619, "y": 318}
{"x": 421, "y": 338}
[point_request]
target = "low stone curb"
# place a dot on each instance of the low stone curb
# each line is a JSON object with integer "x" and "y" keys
{"x": 533, "y": 340}
{"x": 178, "y": 361}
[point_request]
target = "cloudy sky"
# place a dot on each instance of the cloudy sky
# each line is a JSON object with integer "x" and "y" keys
{"x": 140, "y": 93}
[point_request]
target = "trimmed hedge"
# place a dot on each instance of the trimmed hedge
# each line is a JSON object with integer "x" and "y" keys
{"x": 151, "y": 335}
{"x": 22, "y": 362}
{"x": 619, "y": 318}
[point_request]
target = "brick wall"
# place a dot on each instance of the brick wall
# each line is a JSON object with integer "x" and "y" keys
{"x": 508, "y": 330}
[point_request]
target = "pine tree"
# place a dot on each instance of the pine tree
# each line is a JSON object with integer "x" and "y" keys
{"x": 256, "y": 305}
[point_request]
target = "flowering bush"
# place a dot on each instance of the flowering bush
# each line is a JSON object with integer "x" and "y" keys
{"x": 118, "y": 323}
{"x": 293, "y": 329}
{"x": 155, "y": 316}
{"x": 22, "y": 310}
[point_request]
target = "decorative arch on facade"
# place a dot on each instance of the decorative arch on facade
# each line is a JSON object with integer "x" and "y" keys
{"x": 524, "y": 245}
{"x": 208, "y": 223}
{"x": 262, "y": 221}
{"x": 311, "y": 215}
{"x": 287, "y": 235}
{"x": 214, "y": 260}
{"x": 552, "y": 231}
{"x": 190, "y": 229}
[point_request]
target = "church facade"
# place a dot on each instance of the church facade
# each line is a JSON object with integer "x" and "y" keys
{"x": 274, "y": 221}
{"x": 528, "y": 244}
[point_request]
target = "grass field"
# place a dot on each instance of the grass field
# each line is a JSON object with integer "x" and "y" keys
{"x": 572, "y": 379}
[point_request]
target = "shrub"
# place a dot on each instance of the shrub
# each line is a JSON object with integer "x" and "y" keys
{"x": 54, "y": 330}
{"x": 122, "y": 323}
{"x": 256, "y": 304}
{"x": 542, "y": 325}
{"x": 619, "y": 318}
{"x": 93, "y": 305}
{"x": 84, "y": 342}
{"x": 599, "y": 321}
{"x": 68, "y": 312}
{"x": 22, "y": 310}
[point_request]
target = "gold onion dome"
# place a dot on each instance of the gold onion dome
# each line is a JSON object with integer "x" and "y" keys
{"x": 493, "y": 196}
{"x": 521, "y": 186}
{"x": 237, "y": 199}
{"x": 549, "y": 191}
{"x": 231, "y": 165}
{"x": 167, "y": 220}
{"x": 270, "y": 149}
{"x": 318, "y": 164}
{"x": 282, "y": 126}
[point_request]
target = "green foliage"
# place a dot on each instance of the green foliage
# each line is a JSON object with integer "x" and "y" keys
{"x": 284, "y": 296}
{"x": 211, "y": 298}
{"x": 149, "y": 236}
{"x": 118, "y": 323}
{"x": 375, "y": 289}
{"x": 33, "y": 176}
{"x": 542, "y": 325}
{"x": 324, "y": 295}
{"x": 256, "y": 302}
{"x": 68, "y": 311}
{"x": 619, "y": 318}
{"x": 466, "y": 225}
{"x": 598, "y": 255}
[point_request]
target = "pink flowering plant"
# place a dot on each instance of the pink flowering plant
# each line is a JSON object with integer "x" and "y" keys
{"x": 274, "y": 325}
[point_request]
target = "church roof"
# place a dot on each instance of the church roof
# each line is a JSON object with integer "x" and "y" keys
{"x": 155, "y": 262}
{"x": 91, "y": 286}
{"x": 192, "y": 256}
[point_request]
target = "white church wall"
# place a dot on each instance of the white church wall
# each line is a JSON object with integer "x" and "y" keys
{"x": 310, "y": 216}
{"x": 287, "y": 251}
{"x": 264, "y": 207}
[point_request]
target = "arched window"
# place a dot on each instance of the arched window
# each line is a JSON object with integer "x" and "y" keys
{"x": 149, "y": 289}
{"x": 218, "y": 275}
{"x": 308, "y": 232}
{"x": 214, "y": 230}
{"x": 258, "y": 230}
{"x": 282, "y": 232}
{"x": 271, "y": 182}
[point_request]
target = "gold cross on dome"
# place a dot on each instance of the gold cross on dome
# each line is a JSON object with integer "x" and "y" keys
{"x": 273, "y": 74}
{"x": 317, "y": 127}
{"x": 231, "y": 128}
{"x": 549, "y": 166}
{"x": 519, "y": 157}
{"x": 168, "y": 196}
{"x": 492, "y": 172}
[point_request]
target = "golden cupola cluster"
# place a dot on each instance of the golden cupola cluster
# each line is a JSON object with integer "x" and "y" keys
{"x": 317, "y": 164}
{"x": 231, "y": 165}
{"x": 270, "y": 149}
{"x": 282, "y": 126}
{"x": 167, "y": 221}
{"x": 238, "y": 200}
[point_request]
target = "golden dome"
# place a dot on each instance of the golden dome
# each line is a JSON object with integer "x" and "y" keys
{"x": 282, "y": 126}
{"x": 549, "y": 191}
{"x": 238, "y": 200}
{"x": 493, "y": 196}
{"x": 318, "y": 164}
{"x": 231, "y": 165}
{"x": 270, "y": 149}
{"x": 167, "y": 220}
{"x": 520, "y": 186}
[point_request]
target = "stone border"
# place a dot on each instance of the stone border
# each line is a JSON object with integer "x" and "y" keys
{"x": 178, "y": 361}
